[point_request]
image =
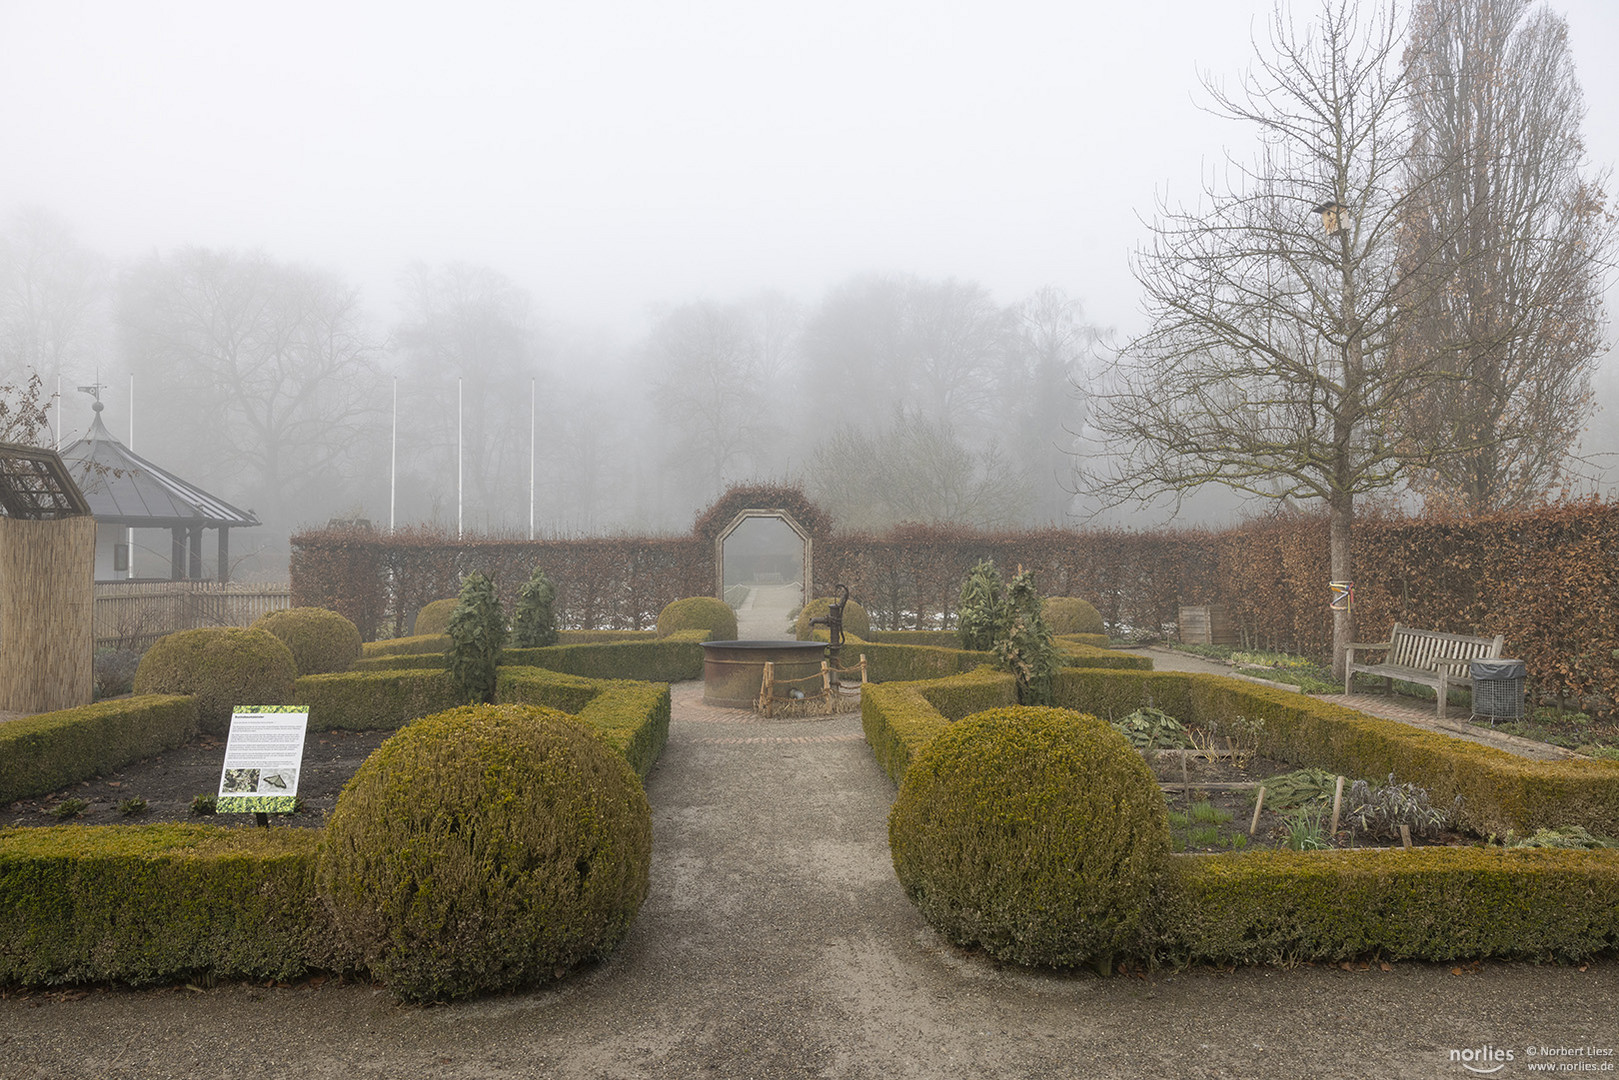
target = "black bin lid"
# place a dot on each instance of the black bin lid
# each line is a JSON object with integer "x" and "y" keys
{"x": 1488, "y": 670}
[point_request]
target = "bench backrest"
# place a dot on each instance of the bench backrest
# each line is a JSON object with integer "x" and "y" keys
{"x": 1425, "y": 648}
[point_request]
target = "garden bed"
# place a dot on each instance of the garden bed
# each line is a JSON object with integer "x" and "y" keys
{"x": 168, "y": 782}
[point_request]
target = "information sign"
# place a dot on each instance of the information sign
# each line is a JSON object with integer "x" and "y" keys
{"x": 263, "y": 756}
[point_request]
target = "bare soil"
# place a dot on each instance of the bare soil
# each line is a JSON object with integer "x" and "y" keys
{"x": 169, "y": 781}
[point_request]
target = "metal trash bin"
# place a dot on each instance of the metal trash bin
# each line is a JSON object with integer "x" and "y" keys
{"x": 1498, "y": 689}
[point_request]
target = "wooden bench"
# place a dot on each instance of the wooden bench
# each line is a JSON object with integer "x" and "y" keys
{"x": 1425, "y": 657}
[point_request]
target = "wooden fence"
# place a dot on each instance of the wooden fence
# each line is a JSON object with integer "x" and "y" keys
{"x": 133, "y": 614}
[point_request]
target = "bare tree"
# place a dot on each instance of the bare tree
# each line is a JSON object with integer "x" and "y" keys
{"x": 472, "y": 324}
{"x": 1270, "y": 362}
{"x": 259, "y": 376}
{"x": 915, "y": 469}
{"x": 54, "y": 300}
{"x": 1522, "y": 235}
{"x": 1042, "y": 403}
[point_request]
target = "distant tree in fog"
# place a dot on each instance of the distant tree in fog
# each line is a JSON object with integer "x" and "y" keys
{"x": 254, "y": 377}
{"x": 720, "y": 376}
{"x": 914, "y": 469}
{"x": 1041, "y": 397}
{"x": 472, "y": 323}
{"x": 878, "y": 343}
{"x": 54, "y": 297}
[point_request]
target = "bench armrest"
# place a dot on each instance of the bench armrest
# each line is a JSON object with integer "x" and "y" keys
{"x": 1364, "y": 645}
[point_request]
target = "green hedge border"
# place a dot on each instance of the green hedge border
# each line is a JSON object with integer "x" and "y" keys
{"x": 41, "y": 753}
{"x": 1500, "y": 792}
{"x": 153, "y": 903}
{"x": 677, "y": 658}
{"x": 1283, "y": 906}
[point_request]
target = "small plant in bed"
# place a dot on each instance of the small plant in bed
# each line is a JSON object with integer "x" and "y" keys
{"x": 1153, "y": 729}
{"x": 69, "y": 808}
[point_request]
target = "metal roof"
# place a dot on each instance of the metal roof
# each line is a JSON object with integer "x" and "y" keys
{"x": 124, "y": 488}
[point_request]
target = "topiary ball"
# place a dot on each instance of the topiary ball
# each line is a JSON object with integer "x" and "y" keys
{"x": 435, "y": 617}
{"x": 222, "y": 666}
{"x": 321, "y": 641}
{"x": 699, "y": 613}
{"x": 1037, "y": 834}
{"x": 486, "y": 848}
{"x": 1071, "y": 615}
{"x": 855, "y": 619}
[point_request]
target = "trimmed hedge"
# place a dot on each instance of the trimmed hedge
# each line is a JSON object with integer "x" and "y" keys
{"x": 223, "y": 666}
{"x": 1100, "y": 641}
{"x": 899, "y": 718}
{"x": 676, "y": 658}
{"x": 527, "y": 854}
{"x": 1425, "y": 904}
{"x": 1077, "y": 654}
{"x": 321, "y": 641}
{"x": 1071, "y": 615}
{"x": 434, "y": 618}
{"x": 375, "y": 700}
{"x": 1037, "y": 834}
{"x": 698, "y": 613}
{"x": 151, "y": 903}
{"x": 416, "y": 645}
{"x": 1500, "y": 791}
{"x": 1283, "y": 907}
{"x": 43, "y": 752}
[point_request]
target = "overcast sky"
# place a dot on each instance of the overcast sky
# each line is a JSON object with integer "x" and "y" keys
{"x": 612, "y": 156}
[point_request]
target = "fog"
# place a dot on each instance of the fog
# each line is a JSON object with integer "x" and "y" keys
{"x": 881, "y": 249}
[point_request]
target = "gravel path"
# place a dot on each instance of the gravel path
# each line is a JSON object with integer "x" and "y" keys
{"x": 777, "y": 943}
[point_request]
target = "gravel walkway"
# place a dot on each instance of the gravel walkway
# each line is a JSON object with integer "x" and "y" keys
{"x": 777, "y": 943}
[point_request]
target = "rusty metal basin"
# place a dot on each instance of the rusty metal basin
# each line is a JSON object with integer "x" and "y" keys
{"x": 734, "y": 671}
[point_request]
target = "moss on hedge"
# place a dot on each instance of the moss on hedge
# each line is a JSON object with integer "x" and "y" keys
{"x": 375, "y": 700}
{"x": 1426, "y": 904}
{"x": 43, "y": 752}
{"x": 418, "y": 645}
{"x": 434, "y": 618}
{"x": 1036, "y": 834}
{"x": 1071, "y": 615}
{"x": 321, "y": 641}
{"x": 899, "y": 718}
{"x": 699, "y": 613}
{"x": 222, "y": 666}
{"x": 151, "y": 903}
{"x": 527, "y": 853}
{"x": 1500, "y": 791}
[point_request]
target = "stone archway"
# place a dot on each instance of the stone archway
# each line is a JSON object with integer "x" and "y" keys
{"x": 749, "y": 518}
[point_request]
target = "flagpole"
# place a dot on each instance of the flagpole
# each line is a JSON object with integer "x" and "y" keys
{"x": 393, "y": 458}
{"x": 531, "y": 429}
{"x": 459, "y": 504}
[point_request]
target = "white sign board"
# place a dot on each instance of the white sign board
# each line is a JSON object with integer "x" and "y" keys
{"x": 263, "y": 757}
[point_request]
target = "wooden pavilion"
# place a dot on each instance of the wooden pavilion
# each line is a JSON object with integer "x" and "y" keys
{"x": 127, "y": 492}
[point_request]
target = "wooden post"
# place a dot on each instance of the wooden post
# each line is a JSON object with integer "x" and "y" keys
{"x": 1258, "y": 805}
{"x": 826, "y": 678}
{"x": 1186, "y": 787}
{"x": 862, "y": 669}
{"x": 47, "y": 601}
{"x": 1405, "y": 836}
{"x": 224, "y": 554}
{"x": 1337, "y": 805}
{"x": 767, "y": 688}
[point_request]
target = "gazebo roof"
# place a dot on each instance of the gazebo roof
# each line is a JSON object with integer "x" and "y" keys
{"x": 124, "y": 488}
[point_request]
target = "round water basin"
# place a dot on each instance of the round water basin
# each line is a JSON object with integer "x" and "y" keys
{"x": 734, "y": 671}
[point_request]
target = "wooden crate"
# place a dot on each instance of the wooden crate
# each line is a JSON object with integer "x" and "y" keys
{"x": 1206, "y": 624}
